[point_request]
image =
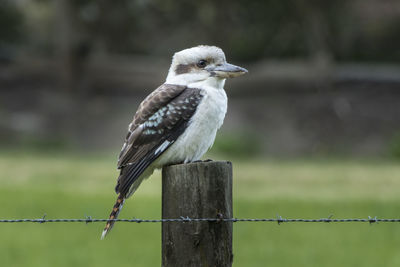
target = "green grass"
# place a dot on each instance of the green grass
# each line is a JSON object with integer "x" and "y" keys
{"x": 72, "y": 186}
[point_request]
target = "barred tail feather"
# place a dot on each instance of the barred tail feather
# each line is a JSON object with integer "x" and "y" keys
{"x": 113, "y": 215}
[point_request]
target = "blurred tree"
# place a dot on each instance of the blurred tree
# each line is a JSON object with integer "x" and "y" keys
{"x": 11, "y": 27}
{"x": 250, "y": 30}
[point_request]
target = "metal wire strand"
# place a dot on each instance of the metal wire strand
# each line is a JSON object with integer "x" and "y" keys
{"x": 185, "y": 219}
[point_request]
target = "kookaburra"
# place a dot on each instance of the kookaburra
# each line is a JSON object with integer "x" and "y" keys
{"x": 177, "y": 122}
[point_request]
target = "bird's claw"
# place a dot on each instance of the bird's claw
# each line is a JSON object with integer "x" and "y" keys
{"x": 199, "y": 160}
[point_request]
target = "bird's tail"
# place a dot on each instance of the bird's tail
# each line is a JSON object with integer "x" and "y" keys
{"x": 113, "y": 215}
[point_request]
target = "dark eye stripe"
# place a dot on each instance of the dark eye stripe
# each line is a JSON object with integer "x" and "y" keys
{"x": 184, "y": 68}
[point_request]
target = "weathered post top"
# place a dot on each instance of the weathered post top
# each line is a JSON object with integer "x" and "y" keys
{"x": 197, "y": 190}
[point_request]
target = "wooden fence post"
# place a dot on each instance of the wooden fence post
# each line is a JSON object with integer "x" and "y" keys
{"x": 197, "y": 190}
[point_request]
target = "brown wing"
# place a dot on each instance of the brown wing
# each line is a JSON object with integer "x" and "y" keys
{"x": 149, "y": 106}
{"x": 160, "y": 120}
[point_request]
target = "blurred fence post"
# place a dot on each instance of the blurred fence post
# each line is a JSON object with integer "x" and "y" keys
{"x": 197, "y": 190}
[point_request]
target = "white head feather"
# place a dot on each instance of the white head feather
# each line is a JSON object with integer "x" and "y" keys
{"x": 183, "y": 68}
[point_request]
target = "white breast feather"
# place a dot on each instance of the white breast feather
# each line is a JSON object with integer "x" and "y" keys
{"x": 202, "y": 129}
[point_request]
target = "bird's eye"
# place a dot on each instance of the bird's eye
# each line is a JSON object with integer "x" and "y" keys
{"x": 202, "y": 63}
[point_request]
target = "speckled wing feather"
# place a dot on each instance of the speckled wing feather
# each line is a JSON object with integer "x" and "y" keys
{"x": 149, "y": 106}
{"x": 161, "y": 118}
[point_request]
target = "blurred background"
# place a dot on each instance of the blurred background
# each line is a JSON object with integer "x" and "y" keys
{"x": 313, "y": 129}
{"x": 324, "y": 76}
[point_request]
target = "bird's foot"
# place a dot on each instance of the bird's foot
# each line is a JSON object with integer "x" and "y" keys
{"x": 199, "y": 160}
{"x": 175, "y": 163}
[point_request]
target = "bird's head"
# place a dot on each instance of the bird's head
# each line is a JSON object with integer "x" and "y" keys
{"x": 201, "y": 63}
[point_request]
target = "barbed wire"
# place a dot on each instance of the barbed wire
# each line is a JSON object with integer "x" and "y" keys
{"x": 278, "y": 219}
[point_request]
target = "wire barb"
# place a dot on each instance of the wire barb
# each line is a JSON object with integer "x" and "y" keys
{"x": 280, "y": 219}
{"x": 88, "y": 219}
{"x": 43, "y": 220}
{"x": 185, "y": 219}
{"x": 372, "y": 220}
{"x": 329, "y": 218}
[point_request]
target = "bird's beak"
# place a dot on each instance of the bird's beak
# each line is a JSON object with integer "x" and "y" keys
{"x": 227, "y": 70}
